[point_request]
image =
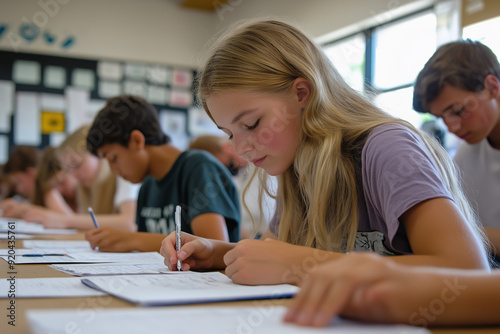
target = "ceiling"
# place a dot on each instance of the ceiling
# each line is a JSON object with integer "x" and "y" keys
{"x": 207, "y": 5}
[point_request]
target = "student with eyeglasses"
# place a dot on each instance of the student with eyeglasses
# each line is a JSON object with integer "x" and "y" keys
{"x": 460, "y": 83}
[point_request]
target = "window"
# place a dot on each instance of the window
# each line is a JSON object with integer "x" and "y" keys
{"x": 401, "y": 50}
{"x": 486, "y": 32}
{"x": 387, "y": 58}
{"x": 348, "y": 57}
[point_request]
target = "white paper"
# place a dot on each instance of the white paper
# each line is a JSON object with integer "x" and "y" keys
{"x": 200, "y": 124}
{"x": 135, "y": 71}
{"x": 95, "y": 106}
{"x": 77, "y": 101}
{"x": 6, "y": 104}
{"x": 96, "y": 256}
{"x": 157, "y": 95}
{"x": 158, "y": 75}
{"x": 263, "y": 317}
{"x": 21, "y": 226}
{"x": 27, "y": 120}
{"x": 26, "y": 72}
{"x": 72, "y": 244}
{"x": 173, "y": 123}
{"x": 86, "y": 257}
{"x": 57, "y": 231}
{"x": 126, "y": 268}
{"x": 47, "y": 287}
{"x": 109, "y": 70}
{"x": 56, "y": 138}
{"x": 54, "y": 77}
{"x": 4, "y": 149}
{"x": 138, "y": 88}
{"x": 22, "y": 252}
{"x": 83, "y": 78}
{"x": 156, "y": 290}
{"x": 109, "y": 89}
{"x": 52, "y": 102}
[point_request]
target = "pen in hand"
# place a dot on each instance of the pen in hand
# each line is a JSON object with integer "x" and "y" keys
{"x": 178, "y": 234}
{"x": 40, "y": 255}
{"x": 93, "y": 217}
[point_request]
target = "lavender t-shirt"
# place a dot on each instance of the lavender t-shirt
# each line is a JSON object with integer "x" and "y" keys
{"x": 397, "y": 173}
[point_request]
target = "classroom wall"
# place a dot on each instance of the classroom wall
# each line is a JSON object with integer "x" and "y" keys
{"x": 323, "y": 19}
{"x": 161, "y": 31}
{"x": 157, "y": 31}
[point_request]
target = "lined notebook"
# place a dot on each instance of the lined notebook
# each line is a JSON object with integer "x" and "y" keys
{"x": 156, "y": 290}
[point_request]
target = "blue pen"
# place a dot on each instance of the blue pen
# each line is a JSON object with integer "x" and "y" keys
{"x": 40, "y": 255}
{"x": 93, "y": 217}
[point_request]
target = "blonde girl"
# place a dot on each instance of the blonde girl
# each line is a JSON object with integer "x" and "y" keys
{"x": 351, "y": 177}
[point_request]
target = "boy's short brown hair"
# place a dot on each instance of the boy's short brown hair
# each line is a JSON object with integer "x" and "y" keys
{"x": 463, "y": 64}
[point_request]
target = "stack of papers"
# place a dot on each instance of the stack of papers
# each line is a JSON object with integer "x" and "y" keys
{"x": 36, "y": 256}
{"x": 131, "y": 268}
{"x": 9, "y": 225}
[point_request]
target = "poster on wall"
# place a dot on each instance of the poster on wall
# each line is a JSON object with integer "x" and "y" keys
{"x": 200, "y": 124}
{"x": 173, "y": 123}
{"x": 52, "y": 122}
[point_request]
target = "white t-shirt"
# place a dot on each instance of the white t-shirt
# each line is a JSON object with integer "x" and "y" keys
{"x": 251, "y": 196}
{"x": 125, "y": 191}
{"x": 480, "y": 167}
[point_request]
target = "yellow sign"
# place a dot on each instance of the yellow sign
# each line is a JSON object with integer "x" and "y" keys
{"x": 52, "y": 122}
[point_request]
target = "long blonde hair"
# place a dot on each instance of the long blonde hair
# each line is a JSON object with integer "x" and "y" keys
{"x": 318, "y": 192}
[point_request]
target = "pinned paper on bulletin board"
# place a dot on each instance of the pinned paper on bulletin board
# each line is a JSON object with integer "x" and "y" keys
{"x": 52, "y": 122}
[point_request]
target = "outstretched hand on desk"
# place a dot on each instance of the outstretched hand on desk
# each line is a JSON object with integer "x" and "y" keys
{"x": 363, "y": 286}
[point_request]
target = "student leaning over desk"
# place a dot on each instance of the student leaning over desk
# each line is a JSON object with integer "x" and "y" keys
{"x": 127, "y": 133}
{"x": 20, "y": 169}
{"x": 351, "y": 177}
{"x": 40, "y": 178}
{"x": 461, "y": 84}
{"x": 112, "y": 198}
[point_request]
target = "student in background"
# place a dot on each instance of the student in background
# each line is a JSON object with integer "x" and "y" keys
{"x": 126, "y": 132}
{"x": 369, "y": 287}
{"x": 256, "y": 209}
{"x": 20, "y": 168}
{"x": 112, "y": 198}
{"x": 6, "y": 186}
{"x": 351, "y": 177}
{"x": 461, "y": 84}
{"x": 55, "y": 188}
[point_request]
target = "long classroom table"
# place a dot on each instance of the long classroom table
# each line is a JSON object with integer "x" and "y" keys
{"x": 98, "y": 303}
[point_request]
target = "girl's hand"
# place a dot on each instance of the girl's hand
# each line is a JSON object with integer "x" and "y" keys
{"x": 255, "y": 262}
{"x": 195, "y": 253}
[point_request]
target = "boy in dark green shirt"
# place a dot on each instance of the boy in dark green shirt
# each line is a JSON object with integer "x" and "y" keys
{"x": 127, "y": 133}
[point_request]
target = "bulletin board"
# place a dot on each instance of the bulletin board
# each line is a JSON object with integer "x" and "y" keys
{"x": 43, "y": 98}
